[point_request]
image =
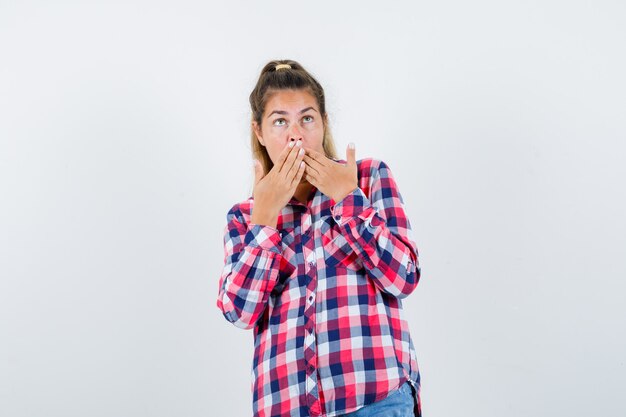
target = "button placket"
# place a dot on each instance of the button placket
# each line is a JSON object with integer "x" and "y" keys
{"x": 310, "y": 256}
{"x": 306, "y": 223}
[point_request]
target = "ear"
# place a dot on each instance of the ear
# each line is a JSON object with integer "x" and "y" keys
{"x": 257, "y": 132}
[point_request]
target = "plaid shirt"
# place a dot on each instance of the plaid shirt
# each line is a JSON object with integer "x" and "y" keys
{"x": 323, "y": 294}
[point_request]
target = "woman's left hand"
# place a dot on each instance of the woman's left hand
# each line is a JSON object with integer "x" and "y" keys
{"x": 332, "y": 178}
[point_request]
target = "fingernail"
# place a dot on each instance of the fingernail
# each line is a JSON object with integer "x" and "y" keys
{"x": 301, "y": 152}
{"x": 299, "y": 143}
{"x": 351, "y": 145}
{"x": 291, "y": 144}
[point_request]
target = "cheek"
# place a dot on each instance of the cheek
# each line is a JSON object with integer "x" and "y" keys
{"x": 318, "y": 136}
{"x": 314, "y": 127}
{"x": 274, "y": 149}
{"x": 272, "y": 143}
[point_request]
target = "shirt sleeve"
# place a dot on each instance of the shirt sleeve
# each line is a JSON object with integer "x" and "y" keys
{"x": 378, "y": 230}
{"x": 253, "y": 262}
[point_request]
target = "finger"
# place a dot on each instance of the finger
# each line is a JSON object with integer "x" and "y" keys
{"x": 312, "y": 162}
{"x": 294, "y": 154}
{"x": 320, "y": 158}
{"x": 291, "y": 164}
{"x": 311, "y": 172}
{"x": 283, "y": 155}
{"x": 310, "y": 179}
{"x": 351, "y": 154}
{"x": 300, "y": 172}
{"x": 293, "y": 170}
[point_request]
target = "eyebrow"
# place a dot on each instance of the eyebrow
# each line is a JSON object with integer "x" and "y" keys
{"x": 284, "y": 112}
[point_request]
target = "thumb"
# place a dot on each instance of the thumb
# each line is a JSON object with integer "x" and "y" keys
{"x": 351, "y": 154}
{"x": 258, "y": 171}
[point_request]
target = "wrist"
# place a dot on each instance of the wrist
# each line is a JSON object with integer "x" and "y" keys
{"x": 344, "y": 194}
{"x": 264, "y": 218}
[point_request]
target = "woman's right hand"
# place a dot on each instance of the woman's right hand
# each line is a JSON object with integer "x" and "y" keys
{"x": 272, "y": 191}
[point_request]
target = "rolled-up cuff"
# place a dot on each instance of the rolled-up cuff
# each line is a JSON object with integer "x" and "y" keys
{"x": 264, "y": 237}
{"x": 351, "y": 206}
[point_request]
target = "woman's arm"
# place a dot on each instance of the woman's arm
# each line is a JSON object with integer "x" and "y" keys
{"x": 378, "y": 230}
{"x": 252, "y": 263}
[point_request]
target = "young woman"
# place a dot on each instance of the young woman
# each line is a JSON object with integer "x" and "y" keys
{"x": 317, "y": 262}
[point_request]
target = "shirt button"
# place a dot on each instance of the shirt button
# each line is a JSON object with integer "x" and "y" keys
{"x": 337, "y": 217}
{"x": 312, "y": 264}
{"x": 311, "y": 368}
{"x": 311, "y": 298}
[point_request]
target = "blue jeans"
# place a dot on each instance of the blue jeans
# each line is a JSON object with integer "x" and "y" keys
{"x": 398, "y": 404}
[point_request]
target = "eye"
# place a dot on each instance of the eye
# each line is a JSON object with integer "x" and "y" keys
{"x": 310, "y": 118}
{"x": 276, "y": 122}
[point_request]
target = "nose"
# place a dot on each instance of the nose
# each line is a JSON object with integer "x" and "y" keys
{"x": 294, "y": 132}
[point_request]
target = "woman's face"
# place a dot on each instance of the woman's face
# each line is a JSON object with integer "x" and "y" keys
{"x": 290, "y": 115}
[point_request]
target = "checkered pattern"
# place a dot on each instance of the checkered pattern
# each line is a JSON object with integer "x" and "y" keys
{"x": 323, "y": 294}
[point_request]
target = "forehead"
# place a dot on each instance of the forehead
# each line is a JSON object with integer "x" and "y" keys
{"x": 290, "y": 100}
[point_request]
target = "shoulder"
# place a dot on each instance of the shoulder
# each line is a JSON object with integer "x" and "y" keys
{"x": 368, "y": 167}
{"x": 241, "y": 211}
{"x": 372, "y": 174}
{"x": 371, "y": 167}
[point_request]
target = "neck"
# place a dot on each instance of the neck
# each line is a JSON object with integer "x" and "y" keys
{"x": 302, "y": 191}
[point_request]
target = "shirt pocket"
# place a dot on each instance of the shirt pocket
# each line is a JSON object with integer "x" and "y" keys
{"x": 288, "y": 238}
{"x": 339, "y": 253}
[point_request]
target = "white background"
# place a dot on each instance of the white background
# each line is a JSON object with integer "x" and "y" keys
{"x": 124, "y": 141}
